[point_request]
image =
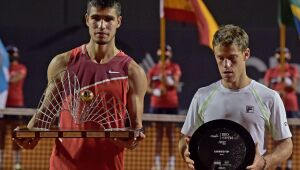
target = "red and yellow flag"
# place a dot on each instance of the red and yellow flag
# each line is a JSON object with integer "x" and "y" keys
{"x": 195, "y": 12}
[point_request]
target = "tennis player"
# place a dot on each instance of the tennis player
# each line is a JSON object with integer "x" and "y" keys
{"x": 238, "y": 98}
{"x": 100, "y": 67}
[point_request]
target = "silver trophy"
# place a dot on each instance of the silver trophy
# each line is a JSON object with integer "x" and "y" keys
{"x": 89, "y": 113}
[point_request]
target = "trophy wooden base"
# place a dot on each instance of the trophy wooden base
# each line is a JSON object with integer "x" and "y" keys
{"x": 59, "y": 133}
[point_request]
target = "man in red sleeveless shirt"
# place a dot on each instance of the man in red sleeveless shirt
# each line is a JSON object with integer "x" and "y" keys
{"x": 99, "y": 66}
{"x": 284, "y": 79}
{"x": 163, "y": 80}
{"x": 15, "y": 98}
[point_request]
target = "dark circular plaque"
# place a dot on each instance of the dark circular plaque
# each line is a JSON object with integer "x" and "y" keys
{"x": 222, "y": 145}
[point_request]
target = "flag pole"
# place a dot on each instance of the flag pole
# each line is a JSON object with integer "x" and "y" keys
{"x": 282, "y": 31}
{"x": 162, "y": 44}
{"x": 282, "y": 34}
{"x": 162, "y": 32}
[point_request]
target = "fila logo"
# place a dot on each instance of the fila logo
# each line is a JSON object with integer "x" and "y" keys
{"x": 249, "y": 109}
{"x": 113, "y": 72}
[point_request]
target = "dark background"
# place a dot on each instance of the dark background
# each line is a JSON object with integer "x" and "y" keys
{"x": 42, "y": 29}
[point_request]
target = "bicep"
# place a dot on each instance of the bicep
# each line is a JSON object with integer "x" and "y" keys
{"x": 137, "y": 80}
{"x": 137, "y": 90}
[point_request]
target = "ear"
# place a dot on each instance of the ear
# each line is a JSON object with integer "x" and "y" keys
{"x": 119, "y": 21}
{"x": 246, "y": 54}
{"x": 87, "y": 20}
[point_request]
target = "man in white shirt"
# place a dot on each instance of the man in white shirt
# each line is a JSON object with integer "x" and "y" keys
{"x": 238, "y": 98}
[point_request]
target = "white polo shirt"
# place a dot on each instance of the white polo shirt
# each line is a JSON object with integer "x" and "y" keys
{"x": 256, "y": 107}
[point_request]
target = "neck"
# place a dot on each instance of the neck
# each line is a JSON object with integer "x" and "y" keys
{"x": 167, "y": 61}
{"x": 239, "y": 84}
{"x": 14, "y": 62}
{"x": 101, "y": 53}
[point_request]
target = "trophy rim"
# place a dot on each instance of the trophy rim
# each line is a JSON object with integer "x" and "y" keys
{"x": 230, "y": 125}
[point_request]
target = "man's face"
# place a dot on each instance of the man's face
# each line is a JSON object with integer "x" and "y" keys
{"x": 231, "y": 62}
{"x": 14, "y": 56}
{"x": 168, "y": 54}
{"x": 287, "y": 56}
{"x": 103, "y": 24}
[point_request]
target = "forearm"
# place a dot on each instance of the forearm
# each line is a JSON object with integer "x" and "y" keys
{"x": 135, "y": 111}
{"x": 137, "y": 90}
{"x": 280, "y": 153}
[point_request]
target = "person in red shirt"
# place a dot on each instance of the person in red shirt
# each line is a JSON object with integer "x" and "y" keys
{"x": 15, "y": 98}
{"x": 101, "y": 68}
{"x": 17, "y": 72}
{"x": 284, "y": 79}
{"x": 163, "y": 80}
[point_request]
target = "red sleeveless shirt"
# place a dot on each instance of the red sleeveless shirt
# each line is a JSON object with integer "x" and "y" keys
{"x": 92, "y": 153}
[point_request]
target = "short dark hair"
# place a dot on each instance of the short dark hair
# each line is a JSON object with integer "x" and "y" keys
{"x": 231, "y": 34}
{"x": 105, "y": 4}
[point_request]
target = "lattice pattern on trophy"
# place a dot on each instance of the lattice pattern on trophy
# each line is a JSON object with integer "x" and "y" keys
{"x": 63, "y": 93}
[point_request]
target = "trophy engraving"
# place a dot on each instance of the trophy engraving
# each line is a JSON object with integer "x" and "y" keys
{"x": 49, "y": 134}
{"x": 222, "y": 144}
{"x": 95, "y": 134}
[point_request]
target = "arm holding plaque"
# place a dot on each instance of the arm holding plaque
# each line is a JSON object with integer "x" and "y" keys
{"x": 281, "y": 152}
{"x": 57, "y": 64}
{"x": 135, "y": 103}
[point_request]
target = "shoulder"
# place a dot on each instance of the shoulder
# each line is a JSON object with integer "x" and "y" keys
{"x": 58, "y": 64}
{"x": 122, "y": 56}
{"x": 205, "y": 91}
{"x": 265, "y": 92}
{"x": 62, "y": 58}
{"x": 262, "y": 88}
{"x": 78, "y": 50}
{"x": 22, "y": 66}
{"x": 134, "y": 68}
{"x": 293, "y": 67}
{"x": 175, "y": 65}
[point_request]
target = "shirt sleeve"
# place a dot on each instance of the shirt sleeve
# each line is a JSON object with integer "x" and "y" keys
{"x": 278, "y": 121}
{"x": 192, "y": 121}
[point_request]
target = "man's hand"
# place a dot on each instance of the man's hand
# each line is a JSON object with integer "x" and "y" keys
{"x": 131, "y": 143}
{"x": 26, "y": 143}
{"x": 259, "y": 162}
{"x": 185, "y": 153}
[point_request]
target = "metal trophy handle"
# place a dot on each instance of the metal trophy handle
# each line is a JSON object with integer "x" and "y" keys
{"x": 92, "y": 114}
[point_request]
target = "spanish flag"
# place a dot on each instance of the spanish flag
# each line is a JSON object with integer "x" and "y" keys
{"x": 195, "y": 12}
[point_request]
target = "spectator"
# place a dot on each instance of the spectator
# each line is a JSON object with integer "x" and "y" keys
{"x": 284, "y": 79}
{"x": 163, "y": 80}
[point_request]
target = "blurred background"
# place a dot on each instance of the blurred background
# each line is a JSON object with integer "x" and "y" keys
{"x": 42, "y": 29}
